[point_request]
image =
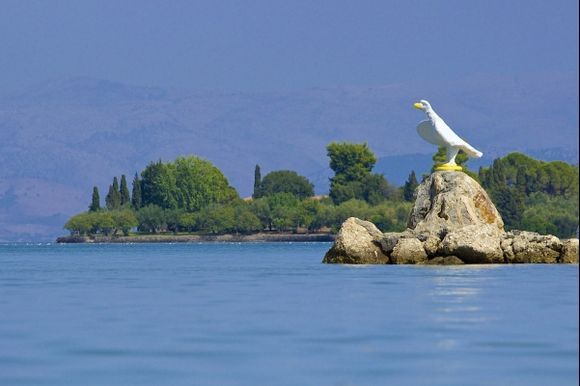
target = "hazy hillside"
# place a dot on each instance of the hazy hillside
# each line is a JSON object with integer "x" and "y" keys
{"x": 59, "y": 139}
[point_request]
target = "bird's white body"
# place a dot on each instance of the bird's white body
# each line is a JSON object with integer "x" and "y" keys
{"x": 434, "y": 130}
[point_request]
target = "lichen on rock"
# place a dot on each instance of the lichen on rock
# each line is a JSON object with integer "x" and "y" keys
{"x": 448, "y": 201}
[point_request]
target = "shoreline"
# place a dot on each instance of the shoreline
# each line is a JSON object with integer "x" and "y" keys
{"x": 256, "y": 237}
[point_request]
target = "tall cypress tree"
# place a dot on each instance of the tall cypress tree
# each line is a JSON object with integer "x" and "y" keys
{"x": 113, "y": 199}
{"x": 497, "y": 174}
{"x": 257, "y": 182}
{"x": 136, "y": 198}
{"x": 125, "y": 197}
{"x": 95, "y": 201}
{"x": 410, "y": 186}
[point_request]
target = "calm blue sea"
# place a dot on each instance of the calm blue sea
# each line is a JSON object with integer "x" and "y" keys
{"x": 272, "y": 314}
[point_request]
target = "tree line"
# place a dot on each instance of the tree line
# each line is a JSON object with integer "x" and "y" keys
{"x": 192, "y": 195}
{"x": 534, "y": 195}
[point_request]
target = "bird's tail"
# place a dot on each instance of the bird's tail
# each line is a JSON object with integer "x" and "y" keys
{"x": 471, "y": 151}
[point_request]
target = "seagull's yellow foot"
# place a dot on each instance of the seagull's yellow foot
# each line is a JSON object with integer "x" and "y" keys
{"x": 448, "y": 167}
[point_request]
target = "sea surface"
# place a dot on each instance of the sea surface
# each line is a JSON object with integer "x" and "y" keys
{"x": 272, "y": 314}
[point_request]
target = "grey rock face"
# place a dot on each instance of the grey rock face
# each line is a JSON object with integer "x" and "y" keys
{"x": 447, "y": 201}
{"x": 530, "y": 247}
{"x": 569, "y": 251}
{"x": 409, "y": 251}
{"x": 431, "y": 245}
{"x": 474, "y": 244}
{"x": 357, "y": 243}
{"x": 445, "y": 260}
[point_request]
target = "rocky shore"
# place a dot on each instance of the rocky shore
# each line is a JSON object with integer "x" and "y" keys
{"x": 453, "y": 221}
{"x": 257, "y": 237}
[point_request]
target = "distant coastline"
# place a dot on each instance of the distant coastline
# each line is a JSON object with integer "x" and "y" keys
{"x": 188, "y": 238}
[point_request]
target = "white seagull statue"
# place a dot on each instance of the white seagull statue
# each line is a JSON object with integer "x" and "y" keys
{"x": 434, "y": 130}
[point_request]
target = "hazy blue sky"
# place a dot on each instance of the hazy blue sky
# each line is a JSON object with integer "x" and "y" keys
{"x": 260, "y": 45}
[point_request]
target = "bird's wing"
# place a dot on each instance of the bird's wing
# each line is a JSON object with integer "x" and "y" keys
{"x": 452, "y": 139}
{"x": 428, "y": 132}
{"x": 447, "y": 135}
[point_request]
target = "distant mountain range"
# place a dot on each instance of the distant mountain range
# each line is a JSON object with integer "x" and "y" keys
{"x": 59, "y": 139}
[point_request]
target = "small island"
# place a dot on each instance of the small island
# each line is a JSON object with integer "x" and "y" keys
{"x": 190, "y": 200}
{"x": 453, "y": 222}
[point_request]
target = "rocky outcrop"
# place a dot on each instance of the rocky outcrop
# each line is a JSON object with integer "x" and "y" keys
{"x": 452, "y": 222}
{"x": 530, "y": 247}
{"x": 357, "y": 242}
{"x": 448, "y": 201}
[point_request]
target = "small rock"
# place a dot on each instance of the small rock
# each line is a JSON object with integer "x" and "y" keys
{"x": 431, "y": 245}
{"x": 357, "y": 243}
{"x": 408, "y": 251}
{"x": 569, "y": 251}
{"x": 445, "y": 260}
{"x": 506, "y": 244}
{"x": 389, "y": 240}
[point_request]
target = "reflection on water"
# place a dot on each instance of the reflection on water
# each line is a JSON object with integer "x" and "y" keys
{"x": 272, "y": 314}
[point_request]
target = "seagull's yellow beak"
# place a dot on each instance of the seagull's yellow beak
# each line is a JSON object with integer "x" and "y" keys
{"x": 418, "y": 106}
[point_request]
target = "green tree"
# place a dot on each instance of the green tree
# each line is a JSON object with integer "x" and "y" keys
{"x": 151, "y": 219}
{"x": 104, "y": 223}
{"x": 198, "y": 183}
{"x": 350, "y": 161}
{"x": 95, "y": 200}
{"x": 261, "y": 208}
{"x": 286, "y": 181}
{"x": 188, "y": 221}
{"x": 244, "y": 219}
{"x": 136, "y": 193}
{"x": 376, "y": 189}
{"x": 79, "y": 224}
{"x": 173, "y": 219}
{"x": 124, "y": 221}
{"x": 351, "y": 208}
{"x": 410, "y": 186}
{"x": 352, "y": 165}
{"x": 113, "y": 198}
{"x": 216, "y": 219}
{"x": 125, "y": 197}
{"x": 283, "y": 208}
{"x": 158, "y": 185}
{"x": 324, "y": 215}
{"x": 510, "y": 204}
{"x": 257, "y": 182}
{"x": 557, "y": 215}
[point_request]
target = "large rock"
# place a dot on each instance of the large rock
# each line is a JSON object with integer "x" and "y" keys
{"x": 357, "y": 242}
{"x": 474, "y": 244}
{"x": 531, "y": 247}
{"x": 448, "y": 201}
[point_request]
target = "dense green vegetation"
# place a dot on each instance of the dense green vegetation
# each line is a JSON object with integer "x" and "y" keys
{"x": 534, "y": 195}
{"x": 282, "y": 181}
{"x": 192, "y": 195}
{"x": 353, "y": 178}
